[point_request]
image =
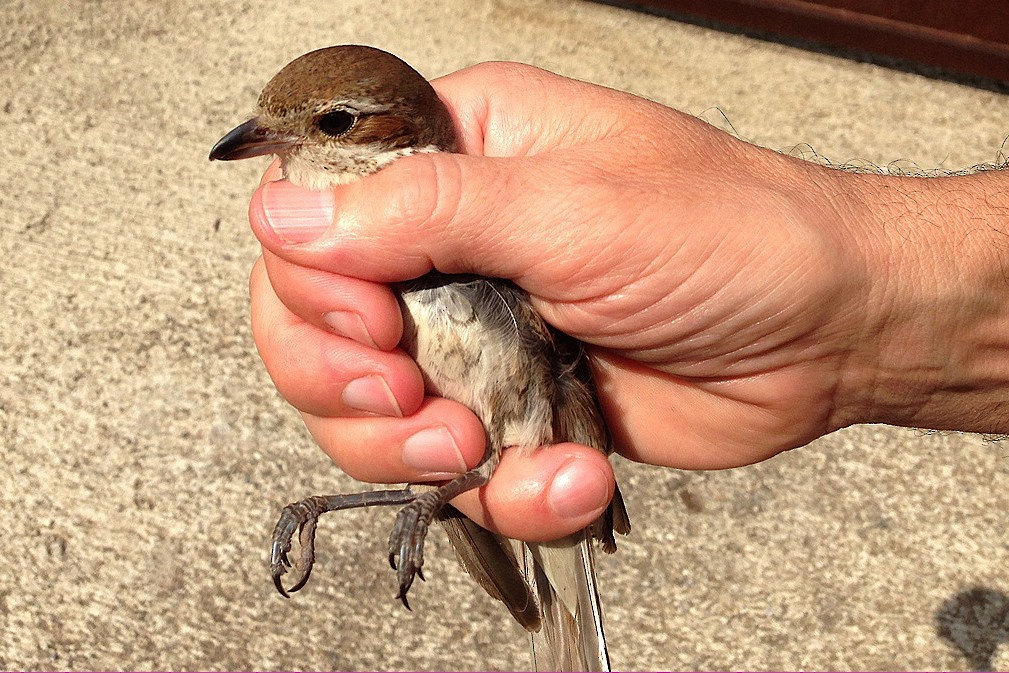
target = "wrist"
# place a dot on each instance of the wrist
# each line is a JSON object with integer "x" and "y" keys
{"x": 932, "y": 347}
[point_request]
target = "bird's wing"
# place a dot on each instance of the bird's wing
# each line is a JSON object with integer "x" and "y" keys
{"x": 489, "y": 559}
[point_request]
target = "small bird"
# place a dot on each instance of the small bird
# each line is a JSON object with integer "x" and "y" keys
{"x": 334, "y": 116}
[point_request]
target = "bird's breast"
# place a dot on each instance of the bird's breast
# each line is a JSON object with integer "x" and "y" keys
{"x": 479, "y": 342}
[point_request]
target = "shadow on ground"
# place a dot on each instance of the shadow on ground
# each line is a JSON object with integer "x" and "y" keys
{"x": 975, "y": 622}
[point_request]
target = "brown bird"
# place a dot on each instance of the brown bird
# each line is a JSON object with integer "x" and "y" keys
{"x": 333, "y": 116}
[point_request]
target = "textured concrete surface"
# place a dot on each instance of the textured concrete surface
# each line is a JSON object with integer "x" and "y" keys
{"x": 146, "y": 453}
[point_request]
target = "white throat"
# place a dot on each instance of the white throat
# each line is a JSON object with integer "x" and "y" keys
{"x": 315, "y": 168}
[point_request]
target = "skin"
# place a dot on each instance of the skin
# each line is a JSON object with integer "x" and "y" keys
{"x": 737, "y": 303}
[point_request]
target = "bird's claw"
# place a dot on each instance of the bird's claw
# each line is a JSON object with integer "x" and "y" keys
{"x": 406, "y": 542}
{"x": 301, "y": 517}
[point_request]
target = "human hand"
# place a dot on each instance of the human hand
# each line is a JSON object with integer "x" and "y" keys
{"x": 722, "y": 288}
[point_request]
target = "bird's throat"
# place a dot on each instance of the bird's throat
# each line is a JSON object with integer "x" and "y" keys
{"x": 341, "y": 165}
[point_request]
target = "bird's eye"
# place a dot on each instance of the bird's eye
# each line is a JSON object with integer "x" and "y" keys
{"x": 336, "y": 123}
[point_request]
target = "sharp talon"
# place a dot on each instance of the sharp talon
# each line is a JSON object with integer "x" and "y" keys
{"x": 280, "y": 586}
{"x": 420, "y": 574}
{"x": 392, "y": 561}
{"x": 301, "y": 582}
{"x": 405, "y": 582}
{"x": 406, "y": 603}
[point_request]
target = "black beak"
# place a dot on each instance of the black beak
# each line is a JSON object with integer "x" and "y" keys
{"x": 251, "y": 140}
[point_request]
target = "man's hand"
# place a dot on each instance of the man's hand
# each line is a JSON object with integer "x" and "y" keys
{"x": 737, "y": 302}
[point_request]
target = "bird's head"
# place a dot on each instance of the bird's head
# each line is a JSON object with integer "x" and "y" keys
{"x": 339, "y": 113}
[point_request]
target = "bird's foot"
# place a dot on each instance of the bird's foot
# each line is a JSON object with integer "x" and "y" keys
{"x": 406, "y": 542}
{"x": 302, "y": 518}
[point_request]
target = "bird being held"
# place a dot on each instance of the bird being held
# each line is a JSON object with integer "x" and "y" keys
{"x": 334, "y": 116}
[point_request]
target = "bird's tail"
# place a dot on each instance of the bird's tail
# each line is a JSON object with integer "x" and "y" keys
{"x": 562, "y": 574}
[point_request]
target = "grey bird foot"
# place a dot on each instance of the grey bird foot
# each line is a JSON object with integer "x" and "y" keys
{"x": 406, "y": 542}
{"x": 302, "y": 518}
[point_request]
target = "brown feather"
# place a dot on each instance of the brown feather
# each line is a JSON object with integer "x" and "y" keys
{"x": 489, "y": 559}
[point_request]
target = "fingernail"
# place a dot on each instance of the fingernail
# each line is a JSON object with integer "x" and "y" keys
{"x": 350, "y": 325}
{"x": 577, "y": 490}
{"x": 296, "y": 214}
{"x": 372, "y": 394}
{"x": 433, "y": 450}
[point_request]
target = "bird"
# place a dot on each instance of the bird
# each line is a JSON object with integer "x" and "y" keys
{"x": 336, "y": 115}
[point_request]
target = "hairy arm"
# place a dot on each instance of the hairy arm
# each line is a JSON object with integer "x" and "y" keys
{"x": 933, "y": 348}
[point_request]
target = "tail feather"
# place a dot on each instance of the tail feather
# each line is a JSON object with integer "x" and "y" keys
{"x": 563, "y": 576}
{"x": 563, "y": 572}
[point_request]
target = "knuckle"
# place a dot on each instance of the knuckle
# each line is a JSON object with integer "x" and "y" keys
{"x": 428, "y": 192}
{"x": 505, "y": 70}
{"x": 414, "y": 201}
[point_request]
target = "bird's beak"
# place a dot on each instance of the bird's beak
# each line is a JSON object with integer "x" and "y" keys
{"x": 251, "y": 140}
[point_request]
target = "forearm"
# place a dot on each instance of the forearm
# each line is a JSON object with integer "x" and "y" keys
{"x": 933, "y": 348}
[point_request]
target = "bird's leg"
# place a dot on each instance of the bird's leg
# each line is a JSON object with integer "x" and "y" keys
{"x": 303, "y": 517}
{"x": 406, "y": 542}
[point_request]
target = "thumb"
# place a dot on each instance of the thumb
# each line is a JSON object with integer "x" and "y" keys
{"x": 451, "y": 212}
